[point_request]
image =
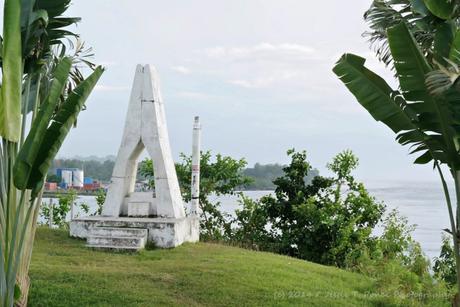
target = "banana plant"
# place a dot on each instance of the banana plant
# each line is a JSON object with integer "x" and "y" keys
{"x": 39, "y": 79}
{"x": 424, "y": 112}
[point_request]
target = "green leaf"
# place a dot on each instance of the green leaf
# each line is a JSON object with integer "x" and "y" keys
{"x": 39, "y": 15}
{"x": 28, "y": 153}
{"x": 26, "y": 11}
{"x": 372, "y": 92}
{"x": 58, "y": 130}
{"x": 454, "y": 53}
{"x": 424, "y": 158}
{"x": 410, "y": 64}
{"x": 441, "y": 8}
{"x": 443, "y": 41}
{"x": 419, "y": 7}
{"x": 412, "y": 68}
{"x": 53, "y": 7}
{"x": 28, "y": 106}
{"x": 10, "y": 102}
{"x": 17, "y": 292}
{"x": 62, "y": 22}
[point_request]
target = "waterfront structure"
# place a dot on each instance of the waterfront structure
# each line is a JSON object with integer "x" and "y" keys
{"x": 50, "y": 186}
{"x": 129, "y": 218}
{"x": 70, "y": 177}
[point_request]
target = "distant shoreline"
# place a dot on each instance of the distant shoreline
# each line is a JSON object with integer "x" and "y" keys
{"x": 54, "y": 194}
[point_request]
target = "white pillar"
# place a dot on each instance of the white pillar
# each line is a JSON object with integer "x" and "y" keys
{"x": 196, "y": 166}
{"x": 51, "y": 211}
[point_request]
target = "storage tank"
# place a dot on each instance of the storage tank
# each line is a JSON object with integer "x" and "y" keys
{"x": 78, "y": 178}
{"x": 67, "y": 177}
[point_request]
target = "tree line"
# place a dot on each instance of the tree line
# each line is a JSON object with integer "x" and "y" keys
{"x": 261, "y": 175}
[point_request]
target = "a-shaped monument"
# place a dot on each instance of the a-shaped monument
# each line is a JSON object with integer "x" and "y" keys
{"x": 131, "y": 218}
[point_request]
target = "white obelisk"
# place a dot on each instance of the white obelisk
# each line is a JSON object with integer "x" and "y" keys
{"x": 196, "y": 144}
{"x": 145, "y": 127}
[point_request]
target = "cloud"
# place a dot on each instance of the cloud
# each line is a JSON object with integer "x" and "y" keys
{"x": 262, "y": 49}
{"x": 110, "y": 88}
{"x": 267, "y": 80}
{"x": 181, "y": 69}
{"x": 263, "y": 65}
{"x": 282, "y": 66}
{"x": 192, "y": 95}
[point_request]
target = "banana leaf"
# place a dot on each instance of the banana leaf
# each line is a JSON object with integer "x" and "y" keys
{"x": 10, "y": 101}
{"x": 384, "y": 104}
{"x": 372, "y": 92}
{"x": 443, "y": 41}
{"x": 412, "y": 69}
{"x": 58, "y": 130}
{"x": 441, "y": 8}
{"x": 28, "y": 153}
{"x": 454, "y": 54}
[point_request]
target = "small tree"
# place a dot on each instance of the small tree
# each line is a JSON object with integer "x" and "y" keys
{"x": 100, "y": 200}
{"x": 62, "y": 208}
{"x": 219, "y": 175}
{"x": 327, "y": 221}
{"x": 444, "y": 264}
{"x": 59, "y": 210}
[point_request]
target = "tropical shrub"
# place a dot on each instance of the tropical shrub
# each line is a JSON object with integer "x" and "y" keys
{"x": 219, "y": 175}
{"x": 250, "y": 227}
{"x": 100, "y": 200}
{"x": 58, "y": 210}
{"x": 401, "y": 270}
{"x": 444, "y": 264}
{"x": 420, "y": 40}
{"x": 61, "y": 209}
{"x": 327, "y": 221}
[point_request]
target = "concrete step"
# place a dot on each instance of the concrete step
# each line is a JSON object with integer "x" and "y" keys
{"x": 118, "y": 232}
{"x": 138, "y": 242}
{"x": 117, "y": 238}
{"x": 114, "y": 248}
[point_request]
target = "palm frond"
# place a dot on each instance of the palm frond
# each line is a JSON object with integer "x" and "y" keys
{"x": 384, "y": 14}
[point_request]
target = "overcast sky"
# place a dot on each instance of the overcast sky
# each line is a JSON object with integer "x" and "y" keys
{"x": 258, "y": 72}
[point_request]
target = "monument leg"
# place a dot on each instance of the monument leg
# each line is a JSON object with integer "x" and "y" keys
{"x": 123, "y": 178}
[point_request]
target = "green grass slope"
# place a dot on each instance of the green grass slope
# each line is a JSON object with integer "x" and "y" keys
{"x": 65, "y": 273}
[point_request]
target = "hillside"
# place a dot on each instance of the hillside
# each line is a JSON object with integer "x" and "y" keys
{"x": 65, "y": 273}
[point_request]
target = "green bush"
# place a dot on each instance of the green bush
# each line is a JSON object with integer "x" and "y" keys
{"x": 444, "y": 265}
{"x": 100, "y": 200}
{"x": 62, "y": 208}
{"x": 249, "y": 229}
{"x": 324, "y": 221}
{"x": 401, "y": 270}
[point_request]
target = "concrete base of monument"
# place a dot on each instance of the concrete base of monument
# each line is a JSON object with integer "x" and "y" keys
{"x": 133, "y": 233}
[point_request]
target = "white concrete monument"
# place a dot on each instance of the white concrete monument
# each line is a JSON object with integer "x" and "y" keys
{"x": 145, "y": 127}
{"x": 130, "y": 219}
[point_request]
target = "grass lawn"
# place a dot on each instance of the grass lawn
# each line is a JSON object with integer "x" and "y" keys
{"x": 65, "y": 273}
